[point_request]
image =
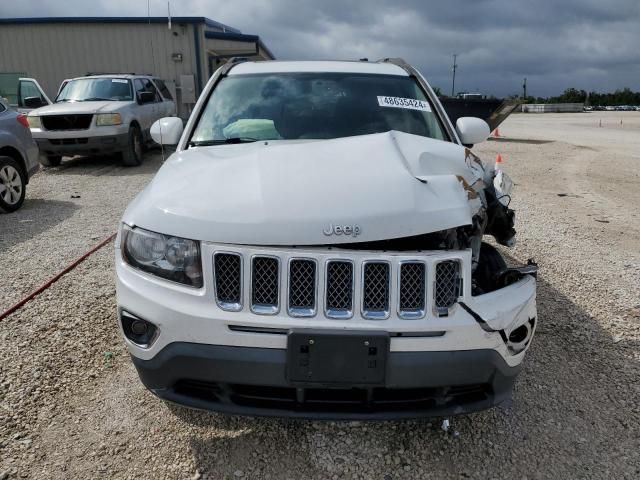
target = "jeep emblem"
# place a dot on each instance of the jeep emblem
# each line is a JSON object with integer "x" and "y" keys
{"x": 352, "y": 230}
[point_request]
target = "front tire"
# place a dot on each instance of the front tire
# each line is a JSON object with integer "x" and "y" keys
{"x": 132, "y": 156}
{"x": 13, "y": 185}
{"x": 50, "y": 161}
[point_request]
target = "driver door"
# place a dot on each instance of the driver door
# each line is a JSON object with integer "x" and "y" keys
{"x": 30, "y": 95}
{"x": 147, "y": 111}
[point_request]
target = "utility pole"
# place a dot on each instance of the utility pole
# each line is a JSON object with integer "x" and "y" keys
{"x": 453, "y": 82}
{"x": 524, "y": 89}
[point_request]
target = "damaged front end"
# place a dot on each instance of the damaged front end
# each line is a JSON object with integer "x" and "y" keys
{"x": 502, "y": 297}
{"x": 489, "y": 196}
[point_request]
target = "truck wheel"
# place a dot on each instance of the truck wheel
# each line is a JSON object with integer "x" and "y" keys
{"x": 50, "y": 161}
{"x": 132, "y": 156}
{"x": 12, "y": 184}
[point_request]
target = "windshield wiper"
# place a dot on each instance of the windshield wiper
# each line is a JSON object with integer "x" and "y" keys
{"x": 95, "y": 99}
{"x": 207, "y": 143}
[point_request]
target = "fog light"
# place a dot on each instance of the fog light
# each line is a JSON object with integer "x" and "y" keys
{"x": 139, "y": 331}
{"x": 138, "y": 327}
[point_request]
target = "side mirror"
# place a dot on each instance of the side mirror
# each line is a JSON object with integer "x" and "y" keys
{"x": 472, "y": 130}
{"x": 167, "y": 130}
{"x": 146, "y": 97}
{"x": 33, "y": 102}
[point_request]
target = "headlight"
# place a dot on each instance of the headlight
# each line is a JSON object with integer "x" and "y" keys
{"x": 174, "y": 258}
{"x": 104, "y": 119}
{"x": 34, "y": 121}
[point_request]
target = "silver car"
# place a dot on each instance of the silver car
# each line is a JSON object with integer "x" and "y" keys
{"x": 101, "y": 114}
{"x": 18, "y": 157}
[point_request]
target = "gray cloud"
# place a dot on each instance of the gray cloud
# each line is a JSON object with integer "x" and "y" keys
{"x": 588, "y": 44}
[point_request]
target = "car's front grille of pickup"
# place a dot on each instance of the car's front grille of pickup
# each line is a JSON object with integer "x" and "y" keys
{"x": 68, "y": 141}
{"x": 337, "y": 288}
{"x": 66, "y": 122}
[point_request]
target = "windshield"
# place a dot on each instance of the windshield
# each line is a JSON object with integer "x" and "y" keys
{"x": 314, "y": 106}
{"x": 89, "y": 89}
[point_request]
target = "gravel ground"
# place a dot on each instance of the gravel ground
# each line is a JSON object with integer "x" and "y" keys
{"x": 72, "y": 406}
{"x": 67, "y": 209}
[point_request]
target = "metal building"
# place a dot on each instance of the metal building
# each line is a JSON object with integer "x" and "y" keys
{"x": 183, "y": 51}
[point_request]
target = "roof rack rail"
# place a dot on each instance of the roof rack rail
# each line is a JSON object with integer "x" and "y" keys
{"x": 395, "y": 60}
{"x": 93, "y": 74}
{"x": 238, "y": 59}
{"x": 232, "y": 62}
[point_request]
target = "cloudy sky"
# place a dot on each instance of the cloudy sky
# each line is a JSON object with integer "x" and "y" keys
{"x": 556, "y": 44}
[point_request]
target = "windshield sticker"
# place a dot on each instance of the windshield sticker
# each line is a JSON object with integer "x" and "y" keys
{"x": 399, "y": 102}
{"x": 118, "y": 80}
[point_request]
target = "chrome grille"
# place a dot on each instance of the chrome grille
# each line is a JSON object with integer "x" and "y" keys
{"x": 448, "y": 285}
{"x": 227, "y": 271}
{"x": 375, "y": 294}
{"x": 412, "y": 289}
{"x": 339, "y": 289}
{"x": 340, "y": 284}
{"x": 265, "y": 276}
{"x": 302, "y": 287}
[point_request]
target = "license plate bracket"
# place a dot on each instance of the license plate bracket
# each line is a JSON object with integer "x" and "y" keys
{"x": 336, "y": 357}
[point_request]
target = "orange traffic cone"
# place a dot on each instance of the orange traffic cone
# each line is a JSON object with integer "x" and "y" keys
{"x": 495, "y": 133}
{"x": 498, "y": 162}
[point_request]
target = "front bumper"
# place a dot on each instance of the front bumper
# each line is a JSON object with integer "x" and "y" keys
{"x": 205, "y": 357}
{"x": 81, "y": 142}
{"x": 252, "y": 381}
{"x": 184, "y": 314}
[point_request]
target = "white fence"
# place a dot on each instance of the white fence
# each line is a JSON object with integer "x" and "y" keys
{"x": 552, "y": 107}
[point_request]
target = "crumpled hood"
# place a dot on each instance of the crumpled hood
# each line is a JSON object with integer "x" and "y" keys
{"x": 295, "y": 192}
{"x": 66, "y": 108}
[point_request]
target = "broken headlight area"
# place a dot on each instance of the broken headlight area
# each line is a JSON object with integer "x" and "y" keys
{"x": 492, "y": 272}
{"x": 500, "y": 220}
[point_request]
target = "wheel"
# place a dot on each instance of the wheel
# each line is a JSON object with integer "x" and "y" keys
{"x": 490, "y": 265}
{"x": 132, "y": 156}
{"x": 50, "y": 161}
{"x": 12, "y": 184}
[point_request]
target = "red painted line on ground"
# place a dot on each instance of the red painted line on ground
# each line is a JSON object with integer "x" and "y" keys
{"x": 55, "y": 278}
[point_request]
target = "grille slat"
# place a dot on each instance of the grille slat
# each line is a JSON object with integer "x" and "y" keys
{"x": 302, "y": 287}
{"x": 339, "y": 289}
{"x": 265, "y": 278}
{"x": 448, "y": 285}
{"x": 412, "y": 290}
{"x": 227, "y": 268}
{"x": 375, "y": 295}
{"x": 337, "y": 295}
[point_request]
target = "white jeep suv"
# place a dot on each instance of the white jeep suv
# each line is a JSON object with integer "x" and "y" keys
{"x": 314, "y": 248}
{"x": 101, "y": 114}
